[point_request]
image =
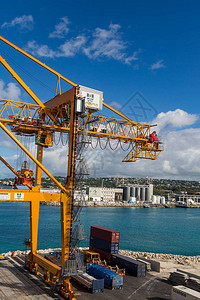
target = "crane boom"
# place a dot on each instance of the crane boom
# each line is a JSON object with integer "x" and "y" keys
{"x": 37, "y": 61}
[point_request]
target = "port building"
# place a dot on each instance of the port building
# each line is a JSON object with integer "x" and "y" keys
{"x": 104, "y": 194}
{"x": 131, "y": 193}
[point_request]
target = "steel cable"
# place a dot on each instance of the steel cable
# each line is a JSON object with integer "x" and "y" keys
{"x": 103, "y": 148}
{"x": 62, "y": 139}
{"x": 96, "y": 144}
{"x": 114, "y": 147}
{"x": 123, "y": 148}
{"x": 54, "y": 139}
{"x": 26, "y": 72}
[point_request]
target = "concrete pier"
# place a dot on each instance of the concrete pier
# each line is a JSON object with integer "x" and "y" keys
{"x": 16, "y": 284}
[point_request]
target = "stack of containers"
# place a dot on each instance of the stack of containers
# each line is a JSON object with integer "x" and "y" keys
{"x": 104, "y": 241}
{"x": 111, "y": 279}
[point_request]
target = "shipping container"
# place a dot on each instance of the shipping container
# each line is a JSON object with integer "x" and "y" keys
{"x": 53, "y": 253}
{"x": 104, "y": 255}
{"x": 132, "y": 266}
{"x": 111, "y": 279}
{"x": 104, "y": 245}
{"x": 181, "y": 292}
{"x": 88, "y": 265}
{"x": 105, "y": 234}
{"x": 91, "y": 283}
{"x": 147, "y": 264}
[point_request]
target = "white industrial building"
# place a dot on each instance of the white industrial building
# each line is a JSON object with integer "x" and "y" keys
{"x": 104, "y": 194}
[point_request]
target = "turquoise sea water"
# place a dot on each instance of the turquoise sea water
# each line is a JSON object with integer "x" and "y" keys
{"x": 174, "y": 230}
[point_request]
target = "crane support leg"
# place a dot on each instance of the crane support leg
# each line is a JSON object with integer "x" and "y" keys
{"x": 34, "y": 219}
{"x": 67, "y": 200}
{"x": 65, "y": 212}
{"x": 38, "y": 169}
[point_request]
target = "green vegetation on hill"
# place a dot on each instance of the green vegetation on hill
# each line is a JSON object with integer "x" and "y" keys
{"x": 161, "y": 186}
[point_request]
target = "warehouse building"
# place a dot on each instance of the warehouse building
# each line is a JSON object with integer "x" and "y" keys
{"x": 185, "y": 198}
{"x": 104, "y": 194}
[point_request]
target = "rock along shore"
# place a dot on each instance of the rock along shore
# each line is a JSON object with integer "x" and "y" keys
{"x": 182, "y": 259}
{"x": 111, "y": 204}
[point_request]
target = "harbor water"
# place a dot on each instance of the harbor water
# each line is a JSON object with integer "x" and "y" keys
{"x": 159, "y": 230}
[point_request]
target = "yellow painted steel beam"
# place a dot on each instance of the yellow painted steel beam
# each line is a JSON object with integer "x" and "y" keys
{"x": 114, "y": 128}
{"x": 143, "y": 151}
{"x": 28, "y": 196}
{"x": 32, "y": 157}
{"x": 66, "y": 224}
{"x": 121, "y": 115}
{"x": 67, "y": 200}
{"x": 13, "y": 170}
{"x": 34, "y": 219}
{"x": 66, "y": 130}
{"x": 9, "y": 166}
{"x": 38, "y": 169}
{"x": 21, "y": 82}
{"x": 37, "y": 61}
{"x": 47, "y": 265}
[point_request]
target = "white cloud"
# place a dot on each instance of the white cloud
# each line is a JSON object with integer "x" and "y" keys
{"x": 175, "y": 119}
{"x": 106, "y": 43}
{"x": 133, "y": 57}
{"x": 101, "y": 44}
{"x": 55, "y": 160}
{"x": 39, "y": 50}
{"x": 168, "y": 168}
{"x": 179, "y": 160}
{"x": 69, "y": 49}
{"x": 10, "y": 92}
{"x": 72, "y": 46}
{"x": 158, "y": 65}
{"x": 109, "y": 43}
{"x": 116, "y": 105}
{"x": 23, "y": 22}
{"x": 61, "y": 29}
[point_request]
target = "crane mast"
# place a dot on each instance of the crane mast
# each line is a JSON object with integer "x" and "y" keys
{"x": 73, "y": 112}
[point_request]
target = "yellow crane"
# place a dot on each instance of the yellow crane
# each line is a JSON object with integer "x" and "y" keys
{"x": 73, "y": 112}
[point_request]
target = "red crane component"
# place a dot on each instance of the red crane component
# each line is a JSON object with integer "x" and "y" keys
{"x": 153, "y": 137}
{"x": 25, "y": 175}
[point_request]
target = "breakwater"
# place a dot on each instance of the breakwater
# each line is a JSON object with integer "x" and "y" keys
{"x": 180, "y": 259}
{"x": 123, "y": 204}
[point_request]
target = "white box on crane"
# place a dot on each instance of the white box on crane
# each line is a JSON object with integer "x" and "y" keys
{"x": 93, "y": 98}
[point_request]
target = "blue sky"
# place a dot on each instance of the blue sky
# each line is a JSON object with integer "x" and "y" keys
{"x": 121, "y": 48}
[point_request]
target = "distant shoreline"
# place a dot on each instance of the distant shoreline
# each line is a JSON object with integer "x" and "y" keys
{"x": 122, "y": 205}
